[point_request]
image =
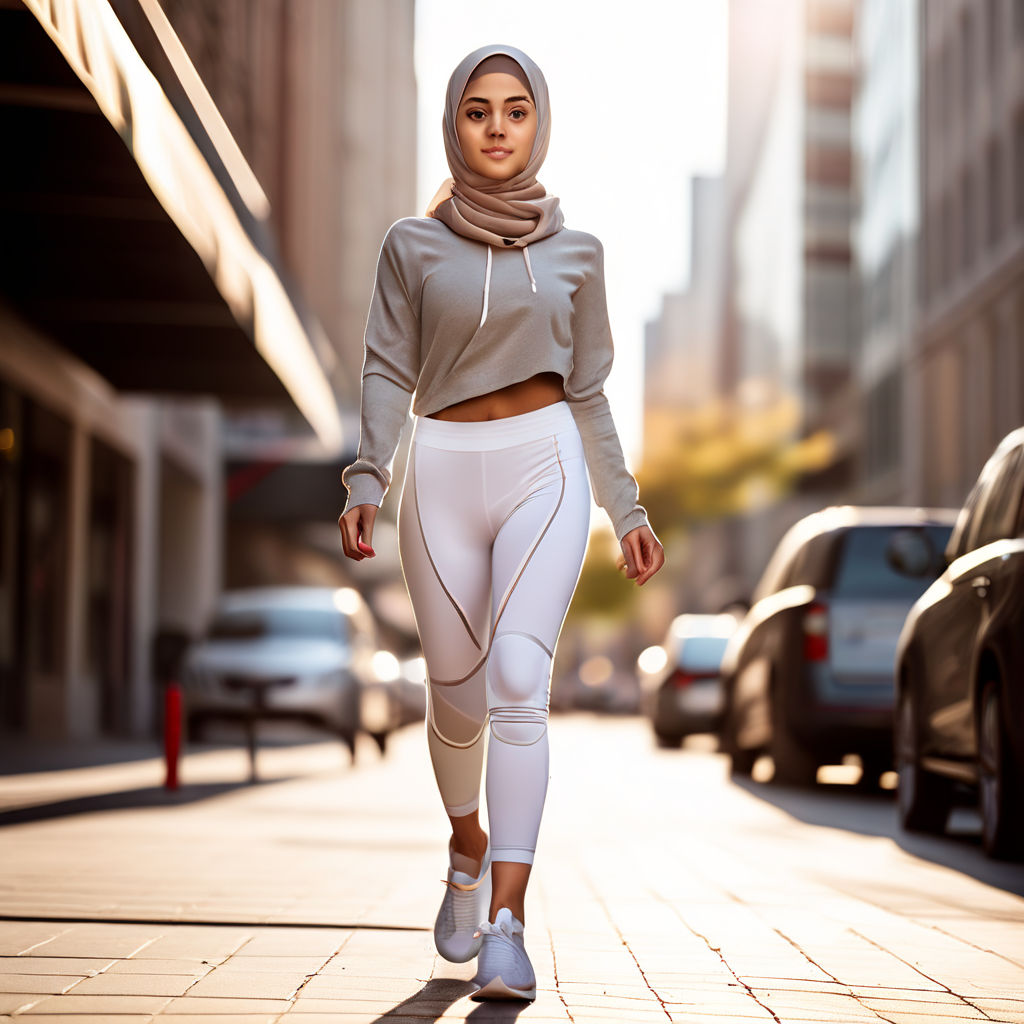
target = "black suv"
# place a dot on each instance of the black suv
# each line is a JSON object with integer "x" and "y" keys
{"x": 809, "y": 674}
{"x": 960, "y": 666}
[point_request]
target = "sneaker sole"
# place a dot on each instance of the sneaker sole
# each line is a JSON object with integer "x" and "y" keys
{"x": 497, "y": 989}
{"x": 462, "y": 956}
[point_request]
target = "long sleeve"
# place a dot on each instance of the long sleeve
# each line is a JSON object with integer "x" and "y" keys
{"x": 390, "y": 370}
{"x": 615, "y": 490}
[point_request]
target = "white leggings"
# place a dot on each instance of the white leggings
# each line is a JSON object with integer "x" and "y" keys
{"x": 492, "y": 531}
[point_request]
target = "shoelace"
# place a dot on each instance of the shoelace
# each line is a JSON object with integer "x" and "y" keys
{"x": 505, "y": 929}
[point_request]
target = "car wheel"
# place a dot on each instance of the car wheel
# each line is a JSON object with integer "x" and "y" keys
{"x": 999, "y": 782}
{"x": 924, "y": 798}
{"x": 874, "y": 764}
{"x": 795, "y": 765}
{"x": 668, "y": 741}
{"x": 741, "y": 761}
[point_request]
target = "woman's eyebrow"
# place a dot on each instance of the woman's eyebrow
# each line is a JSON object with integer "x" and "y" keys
{"x": 509, "y": 99}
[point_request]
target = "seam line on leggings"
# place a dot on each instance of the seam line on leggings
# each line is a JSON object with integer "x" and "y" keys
{"x": 430, "y": 558}
{"x": 529, "y": 556}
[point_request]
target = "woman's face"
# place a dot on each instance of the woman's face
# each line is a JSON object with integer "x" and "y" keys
{"x": 496, "y": 125}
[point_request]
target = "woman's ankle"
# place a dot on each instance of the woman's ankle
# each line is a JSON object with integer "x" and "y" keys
{"x": 473, "y": 847}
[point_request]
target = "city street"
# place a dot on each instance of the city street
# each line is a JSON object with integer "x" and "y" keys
{"x": 662, "y": 891}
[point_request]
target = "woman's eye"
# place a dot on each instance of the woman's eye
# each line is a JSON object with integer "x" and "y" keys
{"x": 475, "y": 115}
{"x": 517, "y": 115}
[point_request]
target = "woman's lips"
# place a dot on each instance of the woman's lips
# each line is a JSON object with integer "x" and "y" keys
{"x": 497, "y": 154}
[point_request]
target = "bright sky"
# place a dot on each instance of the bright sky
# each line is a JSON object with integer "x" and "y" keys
{"x": 638, "y": 106}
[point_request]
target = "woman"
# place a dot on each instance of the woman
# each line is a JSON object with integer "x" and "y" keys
{"x": 493, "y": 314}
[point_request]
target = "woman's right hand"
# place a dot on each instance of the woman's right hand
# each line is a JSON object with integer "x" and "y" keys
{"x": 356, "y": 527}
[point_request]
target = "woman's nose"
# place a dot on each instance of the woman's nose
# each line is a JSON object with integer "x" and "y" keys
{"x": 495, "y": 126}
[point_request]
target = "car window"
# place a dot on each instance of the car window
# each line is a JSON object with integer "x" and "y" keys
{"x": 811, "y": 563}
{"x": 998, "y": 513}
{"x": 779, "y": 571}
{"x": 864, "y": 571}
{"x": 293, "y": 622}
{"x": 966, "y": 523}
{"x": 702, "y": 653}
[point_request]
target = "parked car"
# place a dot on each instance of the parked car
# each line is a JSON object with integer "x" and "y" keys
{"x": 680, "y": 685}
{"x": 301, "y": 653}
{"x": 960, "y": 667}
{"x": 809, "y": 673}
{"x": 394, "y": 697}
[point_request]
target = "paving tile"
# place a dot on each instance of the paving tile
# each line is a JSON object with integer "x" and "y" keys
{"x": 141, "y": 965}
{"x": 15, "y": 1002}
{"x": 296, "y": 942}
{"x": 220, "y": 1018}
{"x": 28, "y": 964}
{"x": 20, "y": 936}
{"x": 252, "y": 984}
{"x": 99, "y": 940}
{"x": 215, "y": 1006}
{"x": 195, "y": 942}
{"x": 38, "y": 983}
{"x": 275, "y": 964}
{"x": 136, "y": 985}
{"x": 111, "y": 1005}
{"x": 949, "y": 1007}
{"x": 88, "y": 1018}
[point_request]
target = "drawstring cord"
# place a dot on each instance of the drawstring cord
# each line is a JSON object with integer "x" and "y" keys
{"x": 529, "y": 269}
{"x": 487, "y": 287}
{"x": 487, "y": 280}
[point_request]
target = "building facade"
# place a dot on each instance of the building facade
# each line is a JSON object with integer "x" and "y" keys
{"x": 151, "y": 291}
{"x": 965, "y": 381}
{"x": 886, "y": 235}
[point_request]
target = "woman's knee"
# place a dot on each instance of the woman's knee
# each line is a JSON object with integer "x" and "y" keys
{"x": 518, "y": 676}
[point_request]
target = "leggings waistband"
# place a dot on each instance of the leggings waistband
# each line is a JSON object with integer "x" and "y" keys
{"x": 490, "y": 435}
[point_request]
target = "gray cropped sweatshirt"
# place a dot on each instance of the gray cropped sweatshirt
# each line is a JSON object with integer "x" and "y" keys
{"x": 453, "y": 318}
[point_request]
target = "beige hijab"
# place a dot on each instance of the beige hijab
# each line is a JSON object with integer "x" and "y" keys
{"x": 513, "y": 212}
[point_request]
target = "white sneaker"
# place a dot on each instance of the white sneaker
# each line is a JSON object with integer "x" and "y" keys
{"x": 504, "y": 970}
{"x": 467, "y": 899}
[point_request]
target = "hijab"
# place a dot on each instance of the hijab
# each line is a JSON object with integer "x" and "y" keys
{"x": 510, "y": 212}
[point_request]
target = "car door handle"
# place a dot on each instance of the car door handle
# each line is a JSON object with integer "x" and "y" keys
{"x": 981, "y": 585}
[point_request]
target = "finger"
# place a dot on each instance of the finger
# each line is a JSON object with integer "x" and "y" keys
{"x": 349, "y": 537}
{"x": 656, "y": 562}
{"x": 630, "y": 553}
{"x": 366, "y": 520}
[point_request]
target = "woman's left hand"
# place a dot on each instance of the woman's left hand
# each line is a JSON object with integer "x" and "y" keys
{"x": 642, "y": 554}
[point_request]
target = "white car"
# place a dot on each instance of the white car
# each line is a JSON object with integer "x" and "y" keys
{"x": 300, "y": 653}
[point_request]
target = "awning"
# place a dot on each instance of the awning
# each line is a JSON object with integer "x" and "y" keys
{"x": 152, "y": 262}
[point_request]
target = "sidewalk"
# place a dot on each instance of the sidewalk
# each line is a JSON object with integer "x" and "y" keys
{"x": 662, "y": 892}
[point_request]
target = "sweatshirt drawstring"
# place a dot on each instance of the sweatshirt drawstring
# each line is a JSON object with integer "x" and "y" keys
{"x": 487, "y": 287}
{"x": 487, "y": 280}
{"x": 529, "y": 269}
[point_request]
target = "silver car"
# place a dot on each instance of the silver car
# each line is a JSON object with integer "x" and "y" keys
{"x": 680, "y": 684}
{"x": 299, "y": 653}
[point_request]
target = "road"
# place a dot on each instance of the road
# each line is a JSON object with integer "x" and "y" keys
{"x": 663, "y": 891}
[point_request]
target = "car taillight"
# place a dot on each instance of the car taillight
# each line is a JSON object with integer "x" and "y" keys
{"x": 681, "y": 679}
{"x": 816, "y": 632}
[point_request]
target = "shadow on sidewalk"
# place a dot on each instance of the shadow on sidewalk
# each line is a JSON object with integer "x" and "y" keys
{"x": 875, "y": 814}
{"x": 433, "y": 1000}
{"x": 129, "y": 799}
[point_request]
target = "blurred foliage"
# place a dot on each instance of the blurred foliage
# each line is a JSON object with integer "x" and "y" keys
{"x": 716, "y": 462}
{"x": 603, "y": 589}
